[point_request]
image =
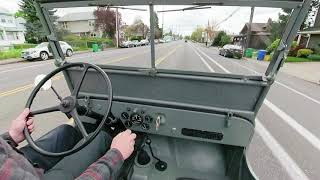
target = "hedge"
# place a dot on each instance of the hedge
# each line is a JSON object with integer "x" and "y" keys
{"x": 24, "y": 46}
{"x": 304, "y": 52}
{"x": 314, "y": 57}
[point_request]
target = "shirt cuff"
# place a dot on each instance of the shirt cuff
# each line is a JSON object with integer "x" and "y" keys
{"x": 116, "y": 159}
{"x": 6, "y": 136}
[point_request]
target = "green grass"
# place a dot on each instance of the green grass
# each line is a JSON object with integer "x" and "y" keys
{"x": 297, "y": 59}
{"x": 81, "y": 48}
{"x": 13, "y": 53}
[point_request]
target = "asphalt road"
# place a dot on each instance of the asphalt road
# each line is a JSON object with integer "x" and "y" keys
{"x": 286, "y": 144}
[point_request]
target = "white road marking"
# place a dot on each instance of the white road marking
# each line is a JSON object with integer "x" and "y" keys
{"x": 215, "y": 62}
{"x": 295, "y": 125}
{"x": 17, "y": 69}
{"x": 204, "y": 61}
{"x": 281, "y": 84}
{"x": 278, "y": 151}
{"x": 285, "y": 160}
{"x": 313, "y": 140}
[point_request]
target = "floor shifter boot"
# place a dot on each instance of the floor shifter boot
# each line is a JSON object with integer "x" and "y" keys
{"x": 143, "y": 157}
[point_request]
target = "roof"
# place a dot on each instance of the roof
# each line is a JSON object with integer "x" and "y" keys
{"x": 256, "y": 27}
{"x": 255, "y": 3}
{"x": 78, "y": 16}
{"x": 4, "y": 11}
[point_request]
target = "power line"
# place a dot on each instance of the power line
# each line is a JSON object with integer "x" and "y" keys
{"x": 228, "y": 16}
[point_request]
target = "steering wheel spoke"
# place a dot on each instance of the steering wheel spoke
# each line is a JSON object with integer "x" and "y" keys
{"x": 77, "y": 87}
{"x": 78, "y": 122}
{"x": 45, "y": 110}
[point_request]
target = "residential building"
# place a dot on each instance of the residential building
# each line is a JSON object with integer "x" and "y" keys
{"x": 260, "y": 35}
{"x": 310, "y": 37}
{"x": 11, "y": 29}
{"x": 80, "y": 24}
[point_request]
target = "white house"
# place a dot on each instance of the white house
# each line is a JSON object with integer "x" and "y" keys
{"x": 11, "y": 29}
{"x": 80, "y": 24}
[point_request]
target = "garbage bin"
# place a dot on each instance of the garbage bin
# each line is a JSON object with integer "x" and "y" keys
{"x": 95, "y": 47}
{"x": 249, "y": 52}
{"x": 261, "y": 55}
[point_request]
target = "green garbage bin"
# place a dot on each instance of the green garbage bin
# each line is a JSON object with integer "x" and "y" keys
{"x": 95, "y": 47}
{"x": 249, "y": 52}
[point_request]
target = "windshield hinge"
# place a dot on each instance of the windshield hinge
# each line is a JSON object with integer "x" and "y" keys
{"x": 151, "y": 71}
{"x": 228, "y": 118}
{"x": 282, "y": 46}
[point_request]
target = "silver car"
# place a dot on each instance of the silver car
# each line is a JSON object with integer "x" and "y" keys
{"x": 42, "y": 51}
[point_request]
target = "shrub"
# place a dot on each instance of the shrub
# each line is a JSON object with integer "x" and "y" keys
{"x": 304, "y": 52}
{"x": 314, "y": 57}
{"x": 294, "y": 51}
{"x": 24, "y": 46}
{"x": 13, "y": 53}
{"x": 225, "y": 39}
{"x": 273, "y": 46}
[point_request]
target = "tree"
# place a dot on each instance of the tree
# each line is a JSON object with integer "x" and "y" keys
{"x": 34, "y": 30}
{"x": 197, "y": 34}
{"x": 225, "y": 39}
{"x": 217, "y": 39}
{"x": 106, "y": 21}
{"x": 137, "y": 30}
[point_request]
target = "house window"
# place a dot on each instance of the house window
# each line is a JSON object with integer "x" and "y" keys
{"x": 3, "y": 20}
{"x": 65, "y": 25}
{"x": 10, "y": 21}
{"x": 91, "y": 23}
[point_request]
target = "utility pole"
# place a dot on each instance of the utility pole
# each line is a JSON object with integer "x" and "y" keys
{"x": 117, "y": 28}
{"x": 249, "y": 28}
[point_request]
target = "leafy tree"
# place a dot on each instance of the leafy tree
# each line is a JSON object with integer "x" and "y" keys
{"x": 34, "y": 29}
{"x": 137, "y": 30}
{"x": 197, "y": 34}
{"x": 225, "y": 39}
{"x": 217, "y": 39}
{"x": 106, "y": 21}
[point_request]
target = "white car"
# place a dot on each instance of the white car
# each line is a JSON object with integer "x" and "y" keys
{"x": 41, "y": 51}
{"x": 144, "y": 42}
{"x": 127, "y": 44}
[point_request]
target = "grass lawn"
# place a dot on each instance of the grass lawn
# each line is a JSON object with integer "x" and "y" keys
{"x": 297, "y": 59}
{"x": 13, "y": 53}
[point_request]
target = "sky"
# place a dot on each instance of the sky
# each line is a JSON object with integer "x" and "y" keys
{"x": 183, "y": 22}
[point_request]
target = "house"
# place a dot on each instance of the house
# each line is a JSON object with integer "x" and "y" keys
{"x": 11, "y": 29}
{"x": 80, "y": 24}
{"x": 260, "y": 35}
{"x": 310, "y": 37}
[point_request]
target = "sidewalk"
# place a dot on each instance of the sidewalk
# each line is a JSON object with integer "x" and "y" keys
{"x": 309, "y": 71}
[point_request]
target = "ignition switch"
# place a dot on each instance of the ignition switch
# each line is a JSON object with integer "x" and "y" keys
{"x": 159, "y": 121}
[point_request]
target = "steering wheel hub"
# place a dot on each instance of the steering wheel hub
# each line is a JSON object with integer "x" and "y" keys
{"x": 68, "y": 104}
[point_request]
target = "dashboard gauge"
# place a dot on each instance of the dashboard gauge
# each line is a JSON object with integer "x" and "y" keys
{"x": 136, "y": 118}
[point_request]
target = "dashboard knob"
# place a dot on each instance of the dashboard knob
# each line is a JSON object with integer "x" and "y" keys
{"x": 128, "y": 124}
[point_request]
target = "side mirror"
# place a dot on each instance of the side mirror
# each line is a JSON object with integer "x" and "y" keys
{"x": 46, "y": 86}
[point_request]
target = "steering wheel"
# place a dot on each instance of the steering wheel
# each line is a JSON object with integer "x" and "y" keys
{"x": 68, "y": 105}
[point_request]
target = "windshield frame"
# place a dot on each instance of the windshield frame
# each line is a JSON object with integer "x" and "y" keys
{"x": 299, "y": 10}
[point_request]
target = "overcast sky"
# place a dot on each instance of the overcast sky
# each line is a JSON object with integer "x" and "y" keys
{"x": 183, "y": 22}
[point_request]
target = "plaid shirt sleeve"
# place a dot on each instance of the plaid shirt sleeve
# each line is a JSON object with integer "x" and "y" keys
{"x": 107, "y": 167}
{"x": 15, "y": 166}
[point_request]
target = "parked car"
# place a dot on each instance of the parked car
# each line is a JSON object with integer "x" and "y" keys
{"x": 231, "y": 50}
{"x": 144, "y": 42}
{"x": 127, "y": 44}
{"x": 135, "y": 43}
{"x": 42, "y": 51}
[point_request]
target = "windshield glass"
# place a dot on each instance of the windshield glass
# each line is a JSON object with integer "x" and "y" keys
{"x": 186, "y": 39}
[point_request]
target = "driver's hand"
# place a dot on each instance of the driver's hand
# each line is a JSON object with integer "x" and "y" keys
{"x": 17, "y": 126}
{"x": 124, "y": 142}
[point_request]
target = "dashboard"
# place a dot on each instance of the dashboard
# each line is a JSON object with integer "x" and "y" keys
{"x": 180, "y": 123}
